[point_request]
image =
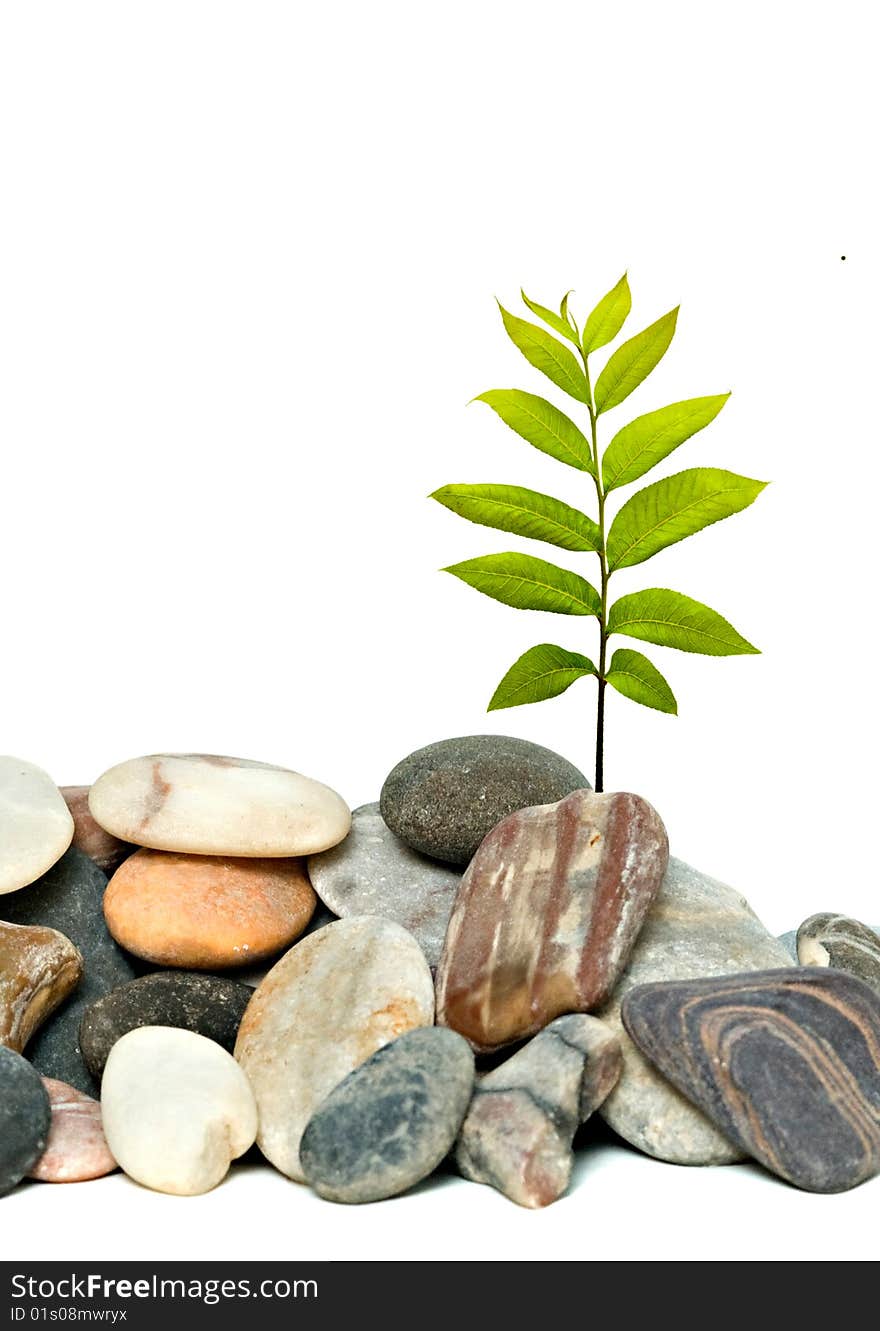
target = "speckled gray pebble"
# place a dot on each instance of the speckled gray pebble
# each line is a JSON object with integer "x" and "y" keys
{"x": 844, "y": 943}
{"x": 25, "y": 1118}
{"x": 443, "y": 799}
{"x": 373, "y": 872}
{"x": 70, "y": 898}
{"x": 789, "y": 940}
{"x": 191, "y": 1001}
{"x": 391, "y": 1121}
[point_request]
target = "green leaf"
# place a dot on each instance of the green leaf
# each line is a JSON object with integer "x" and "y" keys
{"x": 608, "y": 317}
{"x": 540, "y": 673}
{"x": 633, "y": 362}
{"x": 555, "y": 321}
{"x": 671, "y": 619}
{"x": 647, "y": 440}
{"x": 635, "y": 677}
{"x": 546, "y": 354}
{"x": 569, "y": 318}
{"x": 523, "y": 512}
{"x": 529, "y": 584}
{"x": 676, "y": 507}
{"x": 542, "y": 425}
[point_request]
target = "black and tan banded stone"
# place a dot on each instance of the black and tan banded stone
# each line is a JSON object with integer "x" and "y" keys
{"x": 786, "y": 1063}
{"x": 841, "y": 942}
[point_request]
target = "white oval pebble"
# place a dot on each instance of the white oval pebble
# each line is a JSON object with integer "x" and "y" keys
{"x": 205, "y": 805}
{"x": 176, "y": 1109}
{"x": 35, "y": 823}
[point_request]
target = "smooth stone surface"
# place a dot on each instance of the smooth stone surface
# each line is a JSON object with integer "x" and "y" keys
{"x": 443, "y": 799}
{"x": 24, "y": 1118}
{"x": 38, "y": 969}
{"x": 518, "y": 1132}
{"x": 69, "y": 898}
{"x": 35, "y": 824}
{"x": 323, "y": 1009}
{"x": 76, "y": 1149}
{"x": 207, "y": 1004}
{"x": 841, "y": 942}
{"x": 177, "y": 1109}
{"x": 207, "y": 911}
{"x": 697, "y": 926}
{"x": 786, "y": 1063}
{"x": 373, "y": 872}
{"x": 106, "y": 850}
{"x": 547, "y": 913}
{"x": 389, "y": 1124}
{"x": 207, "y": 805}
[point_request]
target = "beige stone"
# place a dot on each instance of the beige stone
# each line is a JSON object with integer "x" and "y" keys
{"x": 35, "y": 824}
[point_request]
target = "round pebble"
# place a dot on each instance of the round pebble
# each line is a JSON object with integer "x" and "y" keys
{"x": 106, "y": 850}
{"x": 76, "y": 1149}
{"x": 24, "y": 1118}
{"x": 35, "y": 824}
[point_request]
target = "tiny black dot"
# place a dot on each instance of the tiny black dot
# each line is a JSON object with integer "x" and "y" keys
{"x": 842, "y": 257}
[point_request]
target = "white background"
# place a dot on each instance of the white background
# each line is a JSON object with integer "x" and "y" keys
{"x": 248, "y": 256}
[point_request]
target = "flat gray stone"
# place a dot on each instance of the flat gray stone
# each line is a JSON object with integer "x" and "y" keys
{"x": 443, "y": 799}
{"x": 389, "y": 1124}
{"x": 696, "y": 927}
{"x": 518, "y": 1132}
{"x": 25, "y": 1118}
{"x": 373, "y": 872}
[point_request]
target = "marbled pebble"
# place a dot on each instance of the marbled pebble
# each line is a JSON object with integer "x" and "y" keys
{"x": 846, "y": 944}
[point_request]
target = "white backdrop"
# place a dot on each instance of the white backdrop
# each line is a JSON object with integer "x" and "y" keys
{"x": 248, "y": 261}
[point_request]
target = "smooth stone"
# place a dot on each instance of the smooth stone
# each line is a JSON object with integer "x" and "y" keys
{"x": 205, "y": 805}
{"x": 24, "y": 1118}
{"x": 846, "y": 944}
{"x": 177, "y": 1109}
{"x": 106, "y": 850}
{"x": 697, "y": 926}
{"x": 35, "y": 824}
{"x": 789, "y": 941}
{"x": 785, "y": 1062}
{"x": 518, "y": 1132}
{"x": 547, "y": 914}
{"x": 207, "y": 1004}
{"x": 207, "y": 911}
{"x": 443, "y": 799}
{"x": 323, "y": 1009}
{"x": 76, "y": 1149}
{"x": 69, "y": 898}
{"x": 389, "y": 1124}
{"x": 38, "y": 969}
{"x": 373, "y": 872}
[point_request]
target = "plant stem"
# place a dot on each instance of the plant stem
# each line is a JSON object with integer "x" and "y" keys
{"x": 603, "y": 619}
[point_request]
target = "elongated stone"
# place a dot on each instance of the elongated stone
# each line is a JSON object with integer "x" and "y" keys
{"x": 443, "y": 799}
{"x": 76, "y": 1149}
{"x": 177, "y": 1109}
{"x": 786, "y": 1063}
{"x": 207, "y": 1004}
{"x": 696, "y": 926}
{"x": 392, "y": 1120}
{"x": 518, "y": 1132}
{"x": 38, "y": 969}
{"x": 106, "y": 850}
{"x": 24, "y": 1118}
{"x": 845, "y": 944}
{"x": 69, "y": 898}
{"x": 373, "y": 872}
{"x": 207, "y": 911}
{"x": 323, "y": 1009}
{"x": 35, "y": 824}
{"x": 201, "y": 804}
{"x": 547, "y": 913}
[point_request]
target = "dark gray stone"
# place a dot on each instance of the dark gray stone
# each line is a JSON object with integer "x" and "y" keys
{"x": 25, "y": 1117}
{"x": 192, "y": 1001}
{"x": 70, "y": 898}
{"x": 841, "y": 942}
{"x": 443, "y": 799}
{"x": 391, "y": 1121}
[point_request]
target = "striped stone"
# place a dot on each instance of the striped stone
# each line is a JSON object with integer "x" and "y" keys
{"x": 786, "y": 1063}
{"x": 547, "y": 913}
{"x": 845, "y": 944}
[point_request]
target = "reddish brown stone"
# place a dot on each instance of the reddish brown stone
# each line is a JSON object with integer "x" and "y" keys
{"x": 38, "y": 969}
{"x": 547, "y": 913}
{"x": 106, "y": 850}
{"x": 76, "y": 1149}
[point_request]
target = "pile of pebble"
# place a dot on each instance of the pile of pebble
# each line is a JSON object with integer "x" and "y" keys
{"x": 458, "y": 975}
